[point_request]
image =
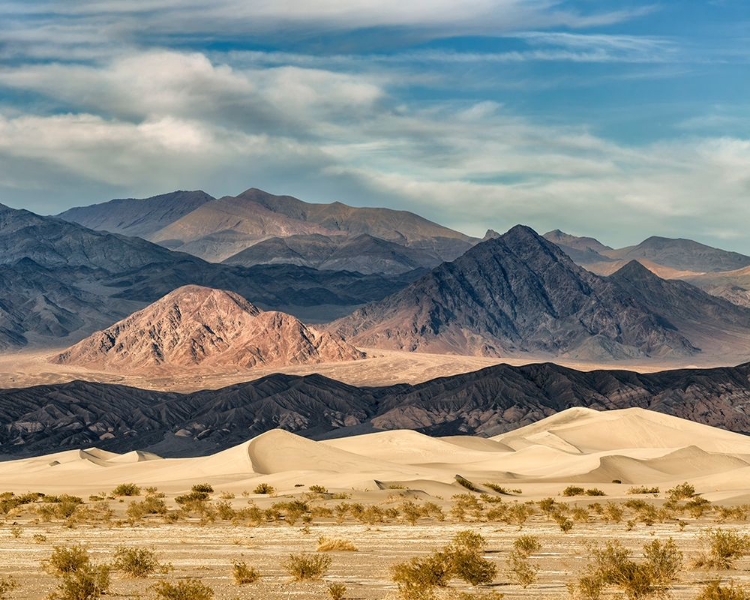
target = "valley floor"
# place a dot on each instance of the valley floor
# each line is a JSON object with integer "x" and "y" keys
{"x": 208, "y": 552}
{"x": 382, "y": 367}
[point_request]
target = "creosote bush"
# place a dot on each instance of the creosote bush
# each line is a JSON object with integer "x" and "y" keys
{"x": 187, "y": 589}
{"x": 136, "y": 562}
{"x": 7, "y": 585}
{"x": 87, "y": 583}
{"x": 520, "y": 569}
{"x": 684, "y": 491}
{"x": 336, "y": 591}
{"x": 714, "y": 590}
{"x": 613, "y": 566}
{"x": 722, "y": 548}
{"x": 264, "y": 488}
{"x": 126, "y": 489}
{"x": 418, "y": 578}
{"x": 243, "y": 574}
{"x": 305, "y": 567}
{"x": 205, "y": 488}
{"x": 67, "y": 560}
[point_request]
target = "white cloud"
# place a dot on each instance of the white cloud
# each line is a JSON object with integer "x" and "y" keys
{"x": 161, "y": 120}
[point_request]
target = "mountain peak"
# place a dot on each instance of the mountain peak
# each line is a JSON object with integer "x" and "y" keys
{"x": 195, "y": 325}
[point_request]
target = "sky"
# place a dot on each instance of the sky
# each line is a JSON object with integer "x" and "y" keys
{"x": 616, "y": 119}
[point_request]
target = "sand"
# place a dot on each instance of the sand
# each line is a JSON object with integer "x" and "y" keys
{"x": 633, "y": 446}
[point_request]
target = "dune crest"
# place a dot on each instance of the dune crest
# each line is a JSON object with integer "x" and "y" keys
{"x": 632, "y": 446}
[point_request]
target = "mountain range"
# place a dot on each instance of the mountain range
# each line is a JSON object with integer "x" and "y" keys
{"x": 78, "y": 414}
{"x": 719, "y": 272}
{"x": 219, "y": 229}
{"x": 197, "y": 326}
{"x": 62, "y": 281}
{"x": 519, "y": 293}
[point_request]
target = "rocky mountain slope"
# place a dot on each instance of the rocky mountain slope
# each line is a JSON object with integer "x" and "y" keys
{"x": 197, "y": 326}
{"x": 487, "y": 402}
{"x": 362, "y": 253}
{"x": 515, "y": 294}
{"x": 216, "y": 229}
{"x": 62, "y": 281}
{"x": 141, "y": 218}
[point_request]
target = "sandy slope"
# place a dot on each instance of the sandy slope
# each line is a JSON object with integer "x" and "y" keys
{"x": 634, "y": 446}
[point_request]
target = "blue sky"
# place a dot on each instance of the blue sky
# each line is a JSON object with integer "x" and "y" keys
{"x": 614, "y": 119}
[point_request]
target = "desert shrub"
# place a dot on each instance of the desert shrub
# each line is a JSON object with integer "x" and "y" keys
{"x": 463, "y": 482}
{"x": 465, "y": 559}
{"x": 520, "y": 569}
{"x": 187, "y": 589}
{"x": 126, "y": 489}
{"x": 335, "y": 545}
{"x": 264, "y": 488}
{"x": 86, "y": 583}
{"x": 722, "y": 548}
{"x": 527, "y": 544}
{"x": 191, "y": 498}
{"x": 643, "y": 490}
{"x": 547, "y": 505}
{"x": 682, "y": 491}
{"x": 318, "y": 489}
{"x": 581, "y": 514}
{"x": 595, "y": 492}
{"x": 564, "y": 522}
{"x": 417, "y": 578}
{"x": 307, "y": 566}
{"x": 7, "y": 585}
{"x": 495, "y": 487}
{"x": 136, "y": 562}
{"x": 715, "y": 591}
{"x": 243, "y": 574}
{"x": 205, "y": 488}
{"x": 614, "y": 566}
{"x": 697, "y": 506}
{"x": 227, "y": 495}
{"x": 518, "y": 514}
{"x": 151, "y": 505}
{"x": 573, "y": 490}
{"x": 68, "y": 560}
{"x": 613, "y": 512}
{"x": 336, "y": 591}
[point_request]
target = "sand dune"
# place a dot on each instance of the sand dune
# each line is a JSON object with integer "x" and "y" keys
{"x": 633, "y": 446}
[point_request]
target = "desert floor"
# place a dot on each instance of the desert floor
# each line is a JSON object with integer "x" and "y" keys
{"x": 208, "y": 552}
{"x": 383, "y": 367}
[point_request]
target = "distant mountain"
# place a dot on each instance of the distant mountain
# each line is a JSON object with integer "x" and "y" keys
{"x": 719, "y": 272}
{"x": 135, "y": 217}
{"x": 583, "y": 250}
{"x": 217, "y": 229}
{"x": 198, "y": 326}
{"x": 41, "y": 419}
{"x": 362, "y": 253}
{"x": 678, "y": 255}
{"x": 515, "y": 294}
{"x": 62, "y": 281}
{"x": 682, "y": 255}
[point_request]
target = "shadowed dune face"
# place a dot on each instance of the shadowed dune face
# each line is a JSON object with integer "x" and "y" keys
{"x": 577, "y": 445}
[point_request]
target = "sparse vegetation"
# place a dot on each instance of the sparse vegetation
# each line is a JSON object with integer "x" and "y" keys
{"x": 243, "y": 574}
{"x": 714, "y": 590}
{"x": 335, "y": 545}
{"x": 264, "y": 488}
{"x": 307, "y": 566}
{"x": 7, "y": 585}
{"x": 136, "y": 562}
{"x": 722, "y": 548}
{"x": 187, "y": 589}
{"x": 336, "y": 591}
{"x": 126, "y": 489}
